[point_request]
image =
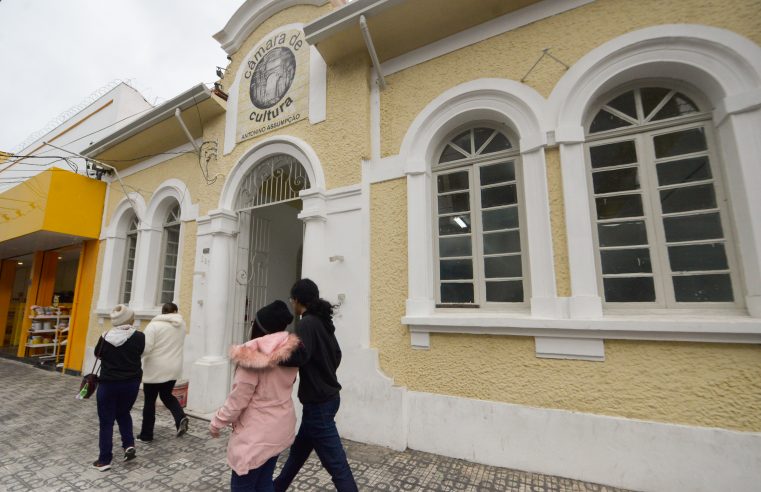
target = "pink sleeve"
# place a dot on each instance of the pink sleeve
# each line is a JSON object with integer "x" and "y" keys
{"x": 236, "y": 402}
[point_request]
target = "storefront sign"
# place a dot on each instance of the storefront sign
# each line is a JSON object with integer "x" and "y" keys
{"x": 273, "y": 90}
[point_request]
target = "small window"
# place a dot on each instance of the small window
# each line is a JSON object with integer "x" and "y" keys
{"x": 478, "y": 218}
{"x": 171, "y": 247}
{"x": 658, "y": 202}
{"x": 129, "y": 261}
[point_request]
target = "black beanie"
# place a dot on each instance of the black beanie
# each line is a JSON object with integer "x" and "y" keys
{"x": 274, "y": 317}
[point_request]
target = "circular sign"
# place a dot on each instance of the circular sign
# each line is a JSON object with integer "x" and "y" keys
{"x": 272, "y": 77}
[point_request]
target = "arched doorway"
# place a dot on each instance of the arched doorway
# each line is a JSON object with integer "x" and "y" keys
{"x": 270, "y": 238}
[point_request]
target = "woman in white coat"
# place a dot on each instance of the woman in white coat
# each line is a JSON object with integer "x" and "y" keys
{"x": 162, "y": 366}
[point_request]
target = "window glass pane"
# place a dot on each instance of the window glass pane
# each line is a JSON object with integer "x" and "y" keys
{"x": 613, "y": 207}
{"x": 456, "y": 269}
{"x": 678, "y": 143}
{"x": 688, "y": 198}
{"x": 613, "y": 154}
{"x": 605, "y": 121}
{"x": 455, "y": 224}
{"x": 511, "y": 291}
{"x": 625, "y": 104}
{"x": 451, "y": 154}
{"x": 684, "y": 171}
{"x": 458, "y": 202}
{"x": 622, "y": 233}
{"x": 693, "y": 227}
{"x": 618, "y": 180}
{"x": 497, "y": 173}
{"x": 456, "y": 293}
{"x": 678, "y": 105}
{"x": 497, "y": 144}
{"x": 626, "y": 261}
{"x": 698, "y": 257}
{"x": 503, "y": 267}
{"x": 629, "y": 289}
{"x": 500, "y": 195}
{"x": 454, "y": 246}
{"x": 463, "y": 141}
{"x": 480, "y": 135}
{"x": 703, "y": 288}
{"x": 502, "y": 242}
{"x": 651, "y": 97}
{"x": 504, "y": 218}
{"x": 452, "y": 181}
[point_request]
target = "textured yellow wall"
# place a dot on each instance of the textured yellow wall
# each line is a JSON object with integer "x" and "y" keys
{"x": 687, "y": 383}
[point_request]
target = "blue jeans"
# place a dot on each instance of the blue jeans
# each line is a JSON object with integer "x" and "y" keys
{"x": 115, "y": 400}
{"x": 318, "y": 431}
{"x": 257, "y": 480}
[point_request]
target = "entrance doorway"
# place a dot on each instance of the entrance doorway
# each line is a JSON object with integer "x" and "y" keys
{"x": 271, "y": 236}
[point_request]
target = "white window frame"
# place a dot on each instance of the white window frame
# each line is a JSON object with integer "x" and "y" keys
{"x": 642, "y": 134}
{"x": 471, "y": 164}
{"x": 169, "y": 224}
{"x": 127, "y": 274}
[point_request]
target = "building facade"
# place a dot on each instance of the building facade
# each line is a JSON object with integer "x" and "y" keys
{"x": 51, "y": 211}
{"x": 537, "y": 221}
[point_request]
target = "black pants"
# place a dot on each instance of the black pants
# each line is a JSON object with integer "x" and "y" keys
{"x": 164, "y": 391}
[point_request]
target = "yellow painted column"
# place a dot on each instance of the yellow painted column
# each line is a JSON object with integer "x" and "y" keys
{"x": 80, "y": 311}
{"x": 7, "y": 276}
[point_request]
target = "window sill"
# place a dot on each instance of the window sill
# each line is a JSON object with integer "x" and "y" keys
{"x": 140, "y": 314}
{"x": 727, "y": 328}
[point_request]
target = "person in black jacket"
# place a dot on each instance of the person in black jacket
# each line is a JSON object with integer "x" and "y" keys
{"x": 317, "y": 360}
{"x": 119, "y": 351}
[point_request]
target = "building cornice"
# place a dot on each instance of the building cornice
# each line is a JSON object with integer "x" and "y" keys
{"x": 250, "y": 16}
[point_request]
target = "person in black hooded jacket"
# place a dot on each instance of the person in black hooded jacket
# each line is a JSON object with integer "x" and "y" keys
{"x": 319, "y": 390}
{"x": 119, "y": 351}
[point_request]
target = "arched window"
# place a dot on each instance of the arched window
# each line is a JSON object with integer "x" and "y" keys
{"x": 477, "y": 220}
{"x": 125, "y": 293}
{"x": 170, "y": 250}
{"x": 662, "y": 223}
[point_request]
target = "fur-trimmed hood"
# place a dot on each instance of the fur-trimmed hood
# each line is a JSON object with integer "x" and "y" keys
{"x": 266, "y": 351}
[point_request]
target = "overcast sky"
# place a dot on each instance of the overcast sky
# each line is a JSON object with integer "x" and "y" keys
{"x": 54, "y": 53}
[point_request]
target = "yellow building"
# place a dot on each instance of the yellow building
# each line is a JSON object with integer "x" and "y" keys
{"x": 537, "y": 219}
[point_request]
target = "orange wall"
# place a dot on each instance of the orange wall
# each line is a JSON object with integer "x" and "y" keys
{"x": 7, "y": 275}
{"x": 80, "y": 313}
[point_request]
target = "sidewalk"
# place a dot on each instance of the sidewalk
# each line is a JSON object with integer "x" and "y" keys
{"x": 49, "y": 439}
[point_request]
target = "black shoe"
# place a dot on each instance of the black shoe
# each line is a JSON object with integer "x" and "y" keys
{"x": 101, "y": 466}
{"x": 142, "y": 439}
{"x": 183, "y": 427}
{"x": 130, "y": 454}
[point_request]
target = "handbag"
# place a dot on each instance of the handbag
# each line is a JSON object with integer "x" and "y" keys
{"x": 90, "y": 381}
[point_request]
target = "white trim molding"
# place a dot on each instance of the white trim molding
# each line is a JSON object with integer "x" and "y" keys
{"x": 726, "y": 68}
{"x": 250, "y": 16}
{"x": 619, "y": 452}
{"x": 282, "y": 144}
{"x": 113, "y": 255}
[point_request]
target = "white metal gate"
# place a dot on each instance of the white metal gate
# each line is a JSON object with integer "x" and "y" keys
{"x": 277, "y": 179}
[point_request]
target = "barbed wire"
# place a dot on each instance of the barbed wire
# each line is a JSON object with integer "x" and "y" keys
{"x": 66, "y": 115}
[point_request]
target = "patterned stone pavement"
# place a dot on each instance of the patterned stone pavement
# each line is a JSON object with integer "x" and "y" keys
{"x": 48, "y": 440}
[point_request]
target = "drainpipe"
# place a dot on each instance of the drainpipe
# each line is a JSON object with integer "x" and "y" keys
{"x": 178, "y": 115}
{"x": 371, "y": 49}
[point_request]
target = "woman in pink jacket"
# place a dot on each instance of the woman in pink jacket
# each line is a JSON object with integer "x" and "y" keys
{"x": 259, "y": 407}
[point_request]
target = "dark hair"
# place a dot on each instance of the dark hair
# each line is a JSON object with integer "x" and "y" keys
{"x": 169, "y": 308}
{"x": 307, "y": 294}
